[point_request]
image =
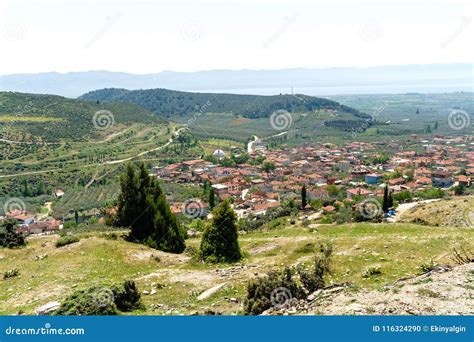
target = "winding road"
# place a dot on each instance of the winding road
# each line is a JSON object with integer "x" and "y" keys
{"x": 255, "y": 139}
{"x": 110, "y": 162}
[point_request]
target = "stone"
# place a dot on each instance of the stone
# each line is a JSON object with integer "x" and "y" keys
{"x": 209, "y": 292}
{"x": 48, "y": 308}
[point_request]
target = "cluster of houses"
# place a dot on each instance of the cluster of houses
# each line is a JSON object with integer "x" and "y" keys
{"x": 29, "y": 224}
{"x": 352, "y": 168}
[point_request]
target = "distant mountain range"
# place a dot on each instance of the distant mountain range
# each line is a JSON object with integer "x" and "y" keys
{"x": 445, "y": 76}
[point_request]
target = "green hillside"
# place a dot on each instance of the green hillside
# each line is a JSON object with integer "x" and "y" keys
{"x": 49, "y": 142}
{"x": 173, "y": 282}
{"x": 48, "y": 118}
{"x": 171, "y": 103}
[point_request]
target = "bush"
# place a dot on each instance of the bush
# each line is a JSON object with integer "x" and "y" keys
{"x": 343, "y": 215}
{"x": 66, "y": 240}
{"x": 15, "y": 272}
{"x": 69, "y": 225}
{"x": 275, "y": 289}
{"x": 373, "y": 271}
{"x": 127, "y": 297}
{"x": 9, "y": 238}
{"x": 427, "y": 267}
{"x": 93, "y": 301}
{"x": 314, "y": 278}
{"x": 102, "y": 300}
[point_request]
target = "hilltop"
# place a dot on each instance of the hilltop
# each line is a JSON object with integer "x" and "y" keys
{"x": 171, "y": 103}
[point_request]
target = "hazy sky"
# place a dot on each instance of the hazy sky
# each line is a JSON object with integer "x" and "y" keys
{"x": 184, "y": 35}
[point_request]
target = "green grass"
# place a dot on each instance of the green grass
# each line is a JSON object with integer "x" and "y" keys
{"x": 398, "y": 249}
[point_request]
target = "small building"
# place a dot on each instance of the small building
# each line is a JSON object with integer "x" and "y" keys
{"x": 58, "y": 193}
{"x": 358, "y": 192}
{"x": 441, "y": 179}
{"x": 373, "y": 178}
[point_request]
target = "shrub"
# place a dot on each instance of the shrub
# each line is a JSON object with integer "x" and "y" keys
{"x": 427, "y": 267}
{"x": 9, "y": 238}
{"x": 66, "y": 240}
{"x": 127, "y": 297}
{"x": 343, "y": 215}
{"x": 275, "y": 289}
{"x": 93, "y": 301}
{"x": 314, "y": 278}
{"x": 102, "y": 300}
{"x": 15, "y": 272}
{"x": 69, "y": 225}
{"x": 372, "y": 271}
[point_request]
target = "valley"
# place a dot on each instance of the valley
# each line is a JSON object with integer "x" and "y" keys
{"x": 62, "y": 161}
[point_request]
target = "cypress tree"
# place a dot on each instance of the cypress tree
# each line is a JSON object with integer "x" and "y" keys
{"x": 212, "y": 198}
{"x": 390, "y": 200}
{"x": 220, "y": 239}
{"x": 385, "y": 203}
{"x": 303, "y": 197}
{"x": 143, "y": 208}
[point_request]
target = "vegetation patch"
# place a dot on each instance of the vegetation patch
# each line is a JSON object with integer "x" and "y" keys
{"x": 66, "y": 240}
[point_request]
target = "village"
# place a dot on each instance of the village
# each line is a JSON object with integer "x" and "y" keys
{"x": 334, "y": 177}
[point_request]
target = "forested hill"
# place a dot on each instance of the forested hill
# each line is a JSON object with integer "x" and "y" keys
{"x": 171, "y": 103}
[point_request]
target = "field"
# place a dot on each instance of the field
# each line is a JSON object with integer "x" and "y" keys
{"x": 173, "y": 282}
{"x": 401, "y": 109}
{"x": 395, "y": 118}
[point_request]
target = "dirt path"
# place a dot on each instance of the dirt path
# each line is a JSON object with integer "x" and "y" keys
{"x": 404, "y": 207}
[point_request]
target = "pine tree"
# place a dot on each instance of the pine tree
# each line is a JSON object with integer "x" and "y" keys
{"x": 303, "y": 197}
{"x": 220, "y": 239}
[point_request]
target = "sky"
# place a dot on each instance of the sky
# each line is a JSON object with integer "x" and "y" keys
{"x": 183, "y": 35}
